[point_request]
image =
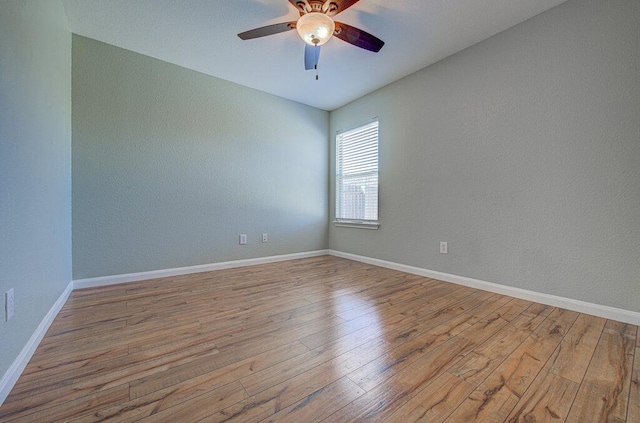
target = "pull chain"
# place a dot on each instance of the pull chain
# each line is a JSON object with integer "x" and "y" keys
{"x": 316, "y": 66}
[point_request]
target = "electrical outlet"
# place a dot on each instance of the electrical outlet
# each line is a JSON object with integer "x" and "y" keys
{"x": 243, "y": 239}
{"x": 444, "y": 248}
{"x": 265, "y": 237}
{"x": 10, "y": 304}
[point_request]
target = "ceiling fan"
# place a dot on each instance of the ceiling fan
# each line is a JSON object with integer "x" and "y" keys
{"x": 316, "y": 26}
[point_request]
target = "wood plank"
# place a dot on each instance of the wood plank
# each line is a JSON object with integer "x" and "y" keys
{"x": 604, "y": 392}
{"x": 292, "y": 313}
{"x": 388, "y": 364}
{"x": 117, "y": 335}
{"x": 168, "y": 395}
{"x": 571, "y": 359}
{"x": 385, "y": 399}
{"x": 41, "y": 367}
{"x": 277, "y": 374}
{"x": 444, "y": 305}
{"x": 270, "y": 401}
{"x": 498, "y": 394}
{"x": 319, "y": 404}
{"x": 55, "y": 390}
{"x": 255, "y": 309}
{"x": 250, "y": 361}
{"x": 434, "y": 403}
{"x": 200, "y": 407}
{"x": 73, "y": 408}
{"x": 90, "y": 315}
{"x": 549, "y": 398}
{"x": 482, "y": 361}
{"x": 405, "y": 327}
{"x": 68, "y": 334}
{"x": 633, "y": 414}
{"x": 408, "y": 380}
{"x": 440, "y": 329}
{"x": 392, "y": 299}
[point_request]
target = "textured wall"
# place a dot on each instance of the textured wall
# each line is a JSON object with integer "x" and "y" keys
{"x": 35, "y": 165}
{"x": 523, "y": 152}
{"x": 170, "y": 165}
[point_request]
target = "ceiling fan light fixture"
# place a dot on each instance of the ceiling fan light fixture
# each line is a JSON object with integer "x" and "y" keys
{"x": 315, "y": 28}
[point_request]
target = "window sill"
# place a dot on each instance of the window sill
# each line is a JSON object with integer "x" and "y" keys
{"x": 356, "y": 224}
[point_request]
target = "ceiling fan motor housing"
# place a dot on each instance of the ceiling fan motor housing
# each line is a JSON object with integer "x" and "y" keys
{"x": 320, "y": 6}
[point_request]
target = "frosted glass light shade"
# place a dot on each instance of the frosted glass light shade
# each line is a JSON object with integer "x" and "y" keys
{"x": 315, "y": 28}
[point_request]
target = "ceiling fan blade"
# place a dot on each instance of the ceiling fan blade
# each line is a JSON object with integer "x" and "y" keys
{"x": 338, "y": 6}
{"x": 358, "y": 37}
{"x": 267, "y": 30}
{"x": 311, "y": 56}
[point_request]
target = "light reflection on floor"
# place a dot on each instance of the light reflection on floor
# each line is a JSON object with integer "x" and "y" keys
{"x": 360, "y": 338}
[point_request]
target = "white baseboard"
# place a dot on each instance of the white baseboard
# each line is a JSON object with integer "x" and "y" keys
{"x": 621, "y": 315}
{"x": 17, "y": 367}
{"x": 164, "y": 273}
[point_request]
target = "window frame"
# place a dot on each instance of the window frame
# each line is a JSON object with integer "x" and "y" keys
{"x": 354, "y": 222}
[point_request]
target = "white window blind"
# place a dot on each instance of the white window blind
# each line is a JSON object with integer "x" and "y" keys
{"x": 357, "y": 174}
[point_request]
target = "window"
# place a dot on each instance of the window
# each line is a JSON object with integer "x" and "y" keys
{"x": 357, "y": 176}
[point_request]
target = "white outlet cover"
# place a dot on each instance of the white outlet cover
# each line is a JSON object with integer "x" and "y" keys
{"x": 444, "y": 248}
{"x": 10, "y": 305}
{"x": 243, "y": 239}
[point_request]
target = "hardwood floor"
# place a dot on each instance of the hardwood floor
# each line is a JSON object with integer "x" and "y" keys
{"x": 324, "y": 339}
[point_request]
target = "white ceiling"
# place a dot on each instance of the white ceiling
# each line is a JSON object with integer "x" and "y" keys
{"x": 201, "y": 35}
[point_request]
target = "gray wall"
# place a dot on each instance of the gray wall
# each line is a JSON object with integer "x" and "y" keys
{"x": 35, "y": 165}
{"x": 523, "y": 152}
{"x": 170, "y": 165}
